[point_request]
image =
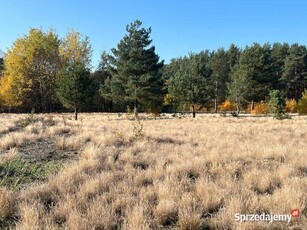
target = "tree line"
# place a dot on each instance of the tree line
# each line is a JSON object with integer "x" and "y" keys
{"x": 46, "y": 73}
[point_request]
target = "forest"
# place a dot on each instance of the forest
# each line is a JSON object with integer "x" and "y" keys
{"x": 42, "y": 72}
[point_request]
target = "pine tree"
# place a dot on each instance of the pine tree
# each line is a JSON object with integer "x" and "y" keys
{"x": 188, "y": 87}
{"x": 100, "y": 76}
{"x": 220, "y": 75}
{"x": 169, "y": 71}
{"x": 233, "y": 54}
{"x": 135, "y": 70}
{"x": 276, "y": 105}
{"x": 279, "y": 53}
{"x": 75, "y": 87}
{"x": 294, "y": 77}
{"x": 257, "y": 60}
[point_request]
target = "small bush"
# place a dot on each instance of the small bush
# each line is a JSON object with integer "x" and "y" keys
{"x": 227, "y": 106}
{"x": 281, "y": 116}
{"x": 200, "y": 108}
{"x": 302, "y": 104}
{"x": 276, "y": 105}
{"x": 129, "y": 112}
{"x": 156, "y": 112}
{"x": 259, "y": 108}
{"x": 138, "y": 132}
{"x": 291, "y": 106}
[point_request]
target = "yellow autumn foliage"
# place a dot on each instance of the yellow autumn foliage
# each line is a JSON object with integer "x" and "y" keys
{"x": 31, "y": 67}
{"x": 75, "y": 48}
{"x": 259, "y": 108}
{"x": 227, "y": 106}
{"x": 9, "y": 92}
{"x": 291, "y": 106}
{"x": 302, "y": 104}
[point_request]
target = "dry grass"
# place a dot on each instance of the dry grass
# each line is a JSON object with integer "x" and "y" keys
{"x": 161, "y": 174}
{"x": 8, "y": 156}
{"x": 6, "y": 204}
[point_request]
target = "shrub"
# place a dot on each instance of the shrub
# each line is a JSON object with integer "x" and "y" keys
{"x": 227, "y": 106}
{"x": 155, "y": 112}
{"x": 276, "y": 105}
{"x": 291, "y": 106}
{"x": 129, "y": 112}
{"x": 248, "y": 108}
{"x": 138, "y": 132}
{"x": 259, "y": 108}
{"x": 201, "y": 108}
{"x": 302, "y": 104}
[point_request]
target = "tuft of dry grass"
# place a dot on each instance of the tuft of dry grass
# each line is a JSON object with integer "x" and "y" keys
{"x": 160, "y": 174}
{"x": 9, "y": 156}
{"x": 6, "y": 204}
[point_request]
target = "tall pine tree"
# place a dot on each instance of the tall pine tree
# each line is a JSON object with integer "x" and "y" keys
{"x": 189, "y": 86}
{"x": 219, "y": 64}
{"x": 294, "y": 77}
{"x": 135, "y": 70}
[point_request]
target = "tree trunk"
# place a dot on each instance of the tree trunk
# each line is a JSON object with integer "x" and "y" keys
{"x": 252, "y": 105}
{"x": 135, "y": 110}
{"x": 193, "y": 111}
{"x": 98, "y": 103}
{"x": 76, "y": 113}
{"x": 238, "y": 108}
{"x": 215, "y": 105}
{"x": 215, "y": 98}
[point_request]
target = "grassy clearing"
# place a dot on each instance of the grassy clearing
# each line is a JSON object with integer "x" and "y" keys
{"x": 18, "y": 172}
{"x": 156, "y": 174}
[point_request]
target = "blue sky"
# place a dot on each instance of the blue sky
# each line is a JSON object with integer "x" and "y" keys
{"x": 178, "y": 27}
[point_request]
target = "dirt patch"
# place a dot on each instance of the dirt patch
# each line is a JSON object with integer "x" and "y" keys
{"x": 45, "y": 150}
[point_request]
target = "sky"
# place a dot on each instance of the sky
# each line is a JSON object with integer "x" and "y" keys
{"x": 178, "y": 27}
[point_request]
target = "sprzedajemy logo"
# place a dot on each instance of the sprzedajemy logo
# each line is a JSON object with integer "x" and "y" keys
{"x": 264, "y": 217}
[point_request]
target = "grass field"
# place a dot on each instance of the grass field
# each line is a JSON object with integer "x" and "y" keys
{"x": 107, "y": 171}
